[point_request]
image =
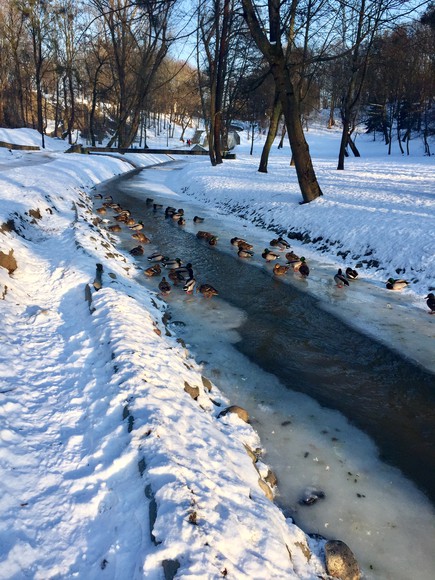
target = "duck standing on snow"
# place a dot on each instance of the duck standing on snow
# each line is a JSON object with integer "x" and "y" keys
{"x": 340, "y": 279}
{"x": 431, "y": 303}
{"x": 395, "y": 284}
{"x": 164, "y": 287}
{"x": 269, "y": 256}
{"x": 351, "y": 274}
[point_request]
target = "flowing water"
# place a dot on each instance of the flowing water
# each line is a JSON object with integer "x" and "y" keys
{"x": 336, "y": 411}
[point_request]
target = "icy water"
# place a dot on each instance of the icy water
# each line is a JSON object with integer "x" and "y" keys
{"x": 335, "y": 410}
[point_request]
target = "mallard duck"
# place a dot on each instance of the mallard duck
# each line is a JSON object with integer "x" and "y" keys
{"x": 108, "y": 198}
{"x": 213, "y": 241}
{"x": 236, "y": 241}
{"x": 115, "y": 228}
{"x": 279, "y": 270}
{"x": 203, "y": 235}
{"x": 176, "y": 216}
{"x": 121, "y": 218}
{"x": 181, "y": 221}
{"x": 351, "y": 274}
{"x": 269, "y": 256}
{"x": 156, "y": 257}
{"x": 98, "y": 196}
{"x": 153, "y": 270}
{"x": 245, "y": 246}
{"x": 171, "y": 264}
{"x": 291, "y": 257}
{"x": 169, "y": 211}
{"x": 130, "y": 222}
{"x": 198, "y": 220}
{"x": 184, "y": 272}
{"x": 101, "y": 210}
{"x": 140, "y": 237}
{"x": 431, "y": 303}
{"x": 245, "y": 253}
{"x": 295, "y": 264}
{"x": 304, "y": 270}
{"x": 136, "y": 227}
{"x": 164, "y": 286}
{"x": 280, "y": 243}
{"x": 137, "y": 251}
{"x": 395, "y": 284}
{"x": 207, "y": 290}
{"x": 340, "y": 279}
{"x": 189, "y": 285}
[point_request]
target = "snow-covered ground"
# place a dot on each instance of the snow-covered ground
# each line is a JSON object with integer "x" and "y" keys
{"x": 100, "y": 442}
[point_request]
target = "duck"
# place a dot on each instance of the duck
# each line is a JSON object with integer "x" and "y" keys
{"x": 279, "y": 270}
{"x": 136, "y": 227}
{"x": 137, "y": 251}
{"x": 242, "y": 253}
{"x": 176, "y": 216}
{"x": 198, "y": 220}
{"x": 98, "y": 196}
{"x": 213, "y": 241}
{"x": 204, "y": 235}
{"x": 351, "y": 274}
{"x": 207, "y": 290}
{"x": 296, "y": 263}
{"x": 395, "y": 284}
{"x": 171, "y": 264}
{"x": 237, "y": 241}
{"x": 108, "y": 198}
{"x": 115, "y": 228}
{"x": 340, "y": 279}
{"x": 101, "y": 210}
{"x": 153, "y": 270}
{"x": 157, "y": 206}
{"x": 291, "y": 257}
{"x": 245, "y": 246}
{"x": 156, "y": 257}
{"x": 181, "y": 221}
{"x": 184, "y": 272}
{"x": 269, "y": 256}
{"x": 304, "y": 270}
{"x": 130, "y": 222}
{"x": 189, "y": 285}
{"x": 140, "y": 237}
{"x": 169, "y": 211}
{"x": 431, "y": 302}
{"x": 164, "y": 286}
{"x": 280, "y": 243}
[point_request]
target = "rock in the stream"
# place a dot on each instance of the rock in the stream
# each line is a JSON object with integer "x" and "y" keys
{"x": 340, "y": 561}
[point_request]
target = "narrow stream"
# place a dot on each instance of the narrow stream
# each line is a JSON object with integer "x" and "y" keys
{"x": 311, "y": 384}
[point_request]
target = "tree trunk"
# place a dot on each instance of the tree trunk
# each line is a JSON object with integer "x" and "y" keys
{"x": 273, "y": 52}
{"x": 271, "y": 134}
{"x": 308, "y": 183}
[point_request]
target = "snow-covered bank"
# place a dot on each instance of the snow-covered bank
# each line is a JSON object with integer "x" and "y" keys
{"x": 101, "y": 438}
{"x": 377, "y": 216}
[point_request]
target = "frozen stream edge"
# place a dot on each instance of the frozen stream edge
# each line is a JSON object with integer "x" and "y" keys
{"x": 380, "y": 522}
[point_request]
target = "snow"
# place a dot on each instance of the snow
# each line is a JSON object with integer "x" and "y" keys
{"x": 100, "y": 442}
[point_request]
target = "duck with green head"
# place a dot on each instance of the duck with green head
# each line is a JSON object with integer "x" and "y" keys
{"x": 395, "y": 284}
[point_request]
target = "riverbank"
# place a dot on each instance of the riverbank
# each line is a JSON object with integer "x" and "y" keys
{"x": 116, "y": 457}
